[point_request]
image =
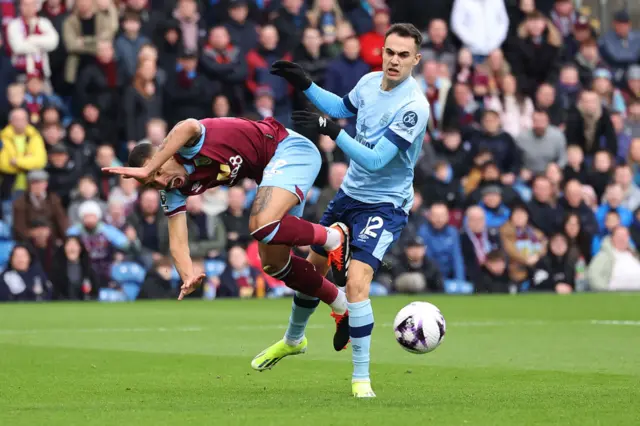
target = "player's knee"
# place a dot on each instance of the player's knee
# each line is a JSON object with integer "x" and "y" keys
{"x": 359, "y": 281}
{"x": 263, "y": 228}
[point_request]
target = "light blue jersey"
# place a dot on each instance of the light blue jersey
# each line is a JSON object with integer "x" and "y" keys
{"x": 399, "y": 115}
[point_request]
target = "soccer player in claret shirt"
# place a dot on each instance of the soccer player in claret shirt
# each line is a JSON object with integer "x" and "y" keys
{"x": 377, "y": 193}
{"x": 197, "y": 155}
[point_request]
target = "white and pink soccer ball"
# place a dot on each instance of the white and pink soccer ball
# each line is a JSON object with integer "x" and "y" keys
{"x": 419, "y": 327}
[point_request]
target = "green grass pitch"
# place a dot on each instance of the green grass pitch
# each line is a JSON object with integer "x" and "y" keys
{"x": 525, "y": 360}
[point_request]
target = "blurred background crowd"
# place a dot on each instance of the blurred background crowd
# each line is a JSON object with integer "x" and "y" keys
{"x": 528, "y": 181}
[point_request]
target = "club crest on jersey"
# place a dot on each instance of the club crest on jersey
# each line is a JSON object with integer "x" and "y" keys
{"x": 410, "y": 118}
{"x": 202, "y": 161}
{"x": 385, "y": 119}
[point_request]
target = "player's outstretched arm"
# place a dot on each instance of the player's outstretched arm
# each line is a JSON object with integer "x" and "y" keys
{"x": 370, "y": 159}
{"x": 327, "y": 102}
{"x": 179, "y": 248}
{"x": 184, "y": 133}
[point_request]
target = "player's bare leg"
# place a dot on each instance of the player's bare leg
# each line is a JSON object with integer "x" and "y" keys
{"x": 341, "y": 335}
{"x": 360, "y": 326}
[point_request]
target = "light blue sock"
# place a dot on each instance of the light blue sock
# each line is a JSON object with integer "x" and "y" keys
{"x": 360, "y": 328}
{"x": 301, "y": 309}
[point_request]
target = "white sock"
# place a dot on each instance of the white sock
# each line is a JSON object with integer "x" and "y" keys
{"x": 292, "y": 343}
{"x": 339, "y": 305}
{"x": 334, "y": 239}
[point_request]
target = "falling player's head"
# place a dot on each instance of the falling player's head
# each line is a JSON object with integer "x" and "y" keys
{"x": 170, "y": 176}
{"x": 400, "y": 54}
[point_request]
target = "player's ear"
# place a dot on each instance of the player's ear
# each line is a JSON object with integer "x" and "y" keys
{"x": 416, "y": 59}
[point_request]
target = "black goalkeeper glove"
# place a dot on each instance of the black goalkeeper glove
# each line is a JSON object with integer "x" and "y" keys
{"x": 316, "y": 122}
{"x": 293, "y": 73}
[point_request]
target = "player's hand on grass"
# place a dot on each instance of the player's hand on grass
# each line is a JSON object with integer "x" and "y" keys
{"x": 140, "y": 173}
{"x": 293, "y": 73}
{"x": 316, "y": 122}
{"x": 190, "y": 285}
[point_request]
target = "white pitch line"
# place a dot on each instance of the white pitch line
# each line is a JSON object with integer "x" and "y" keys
{"x": 615, "y": 322}
{"x": 102, "y": 330}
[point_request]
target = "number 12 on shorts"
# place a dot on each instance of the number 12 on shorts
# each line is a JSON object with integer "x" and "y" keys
{"x": 374, "y": 223}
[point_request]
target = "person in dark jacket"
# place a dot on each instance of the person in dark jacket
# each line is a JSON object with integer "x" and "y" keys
{"x": 242, "y": 29}
{"x": 239, "y": 279}
{"x": 64, "y": 172}
{"x": 414, "y": 272}
{"x": 589, "y": 126}
{"x": 169, "y": 45}
{"x": 543, "y": 211}
{"x": 56, "y": 12}
{"x": 491, "y": 178}
{"x": 290, "y": 21}
{"x": 477, "y": 241}
{"x": 72, "y": 276}
{"x": 454, "y": 151}
{"x": 534, "y": 54}
{"x": 579, "y": 240}
{"x": 312, "y": 56}
{"x": 129, "y": 42}
{"x": 142, "y": 100}
{"x": 344, "y": 72}
{"x": 493, "y": 276}
{"x": 23, "y": 280}
{"x": 501, "y": 144}
{"x": 188, "y": 93}
{"x": 601, "y": 173}
{"x": 572, "y": 203}
{"x": 442, "y": 187}
{"x": 157, "y": 283}
{"x": 620, "y": 46}
{"x": 555, "y": 271}
{"x": 575, "y": 168}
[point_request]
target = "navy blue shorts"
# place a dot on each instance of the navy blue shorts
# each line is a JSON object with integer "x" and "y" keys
{"x": 374, "y": 227}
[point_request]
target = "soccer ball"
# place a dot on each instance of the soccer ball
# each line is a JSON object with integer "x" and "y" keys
{"x": 419, "y": 327}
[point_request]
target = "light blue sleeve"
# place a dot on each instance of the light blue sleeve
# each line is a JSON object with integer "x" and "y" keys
{"x": 329, "y": 103}
{"x": 115, "y": 237}
{"x": 173, "y": 202}
{"x": 371, "y": 159}
{"x": 189, "y": 152}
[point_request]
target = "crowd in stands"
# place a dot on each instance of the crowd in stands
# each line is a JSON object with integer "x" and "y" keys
{"x": 529, "y": 179}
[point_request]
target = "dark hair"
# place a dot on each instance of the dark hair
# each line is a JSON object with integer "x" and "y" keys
{"x": 130, "y": 15}
{"x": 539, "y": 110}
{"x": 494, "y": 255}
{"x": 140, "y": 154}
{"x": 405, "y": 30}
{"x": 613, "y": 212}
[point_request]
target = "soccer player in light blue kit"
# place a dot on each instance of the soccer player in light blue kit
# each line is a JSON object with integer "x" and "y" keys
{"x": 377, "y": 192}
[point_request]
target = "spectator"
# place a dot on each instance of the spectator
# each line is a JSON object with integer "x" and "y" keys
{"x": 460, "y": 108}
{"x": 15, "y": 98}
{"x": 572, "y": 202}
{"x": 105, "y": 157}
{"x": 414, "y": 272}
{"x": 37, "y": 99}
{"x": 117, "y": 216}
{"x": 436, "y": 90}
{"x": 170, "y": 45}
{"x": 23, "y": 280}
{"x": 544, "y": 212}
{"x": 326, "y": 16}
{"x": 451, "y": 149}
{"x": 569, "y": 86}
{"x": 546, "y": 100}
{"x": 128, "y": 44}
{"x": 259, "y": 61}
{"x": 495, "y": 68}
{"x": 221, "y": 106}
{"x": 437, "y": 46}
{"x": 188, "y": 93}
{"x": 492, "y": 138}
{"x": 587, "y": 61}
{"x": 72, "y": 276}
{"x": 43, "y": 244}
{"x": 225, "y": 63}
{"x": 337, "y": 172}
{"x": 443, "y": 188}
{"x": 242, "y": 30}
{"x": 239, "y": 279}
{"x": 371, "y": 43}
{"x": 482, "y": 25}
{"x": 493, "y": 276}
{"x": 575, "y": 168}
{"x": 630, "y": 192}
{"x": 56, "y": 12}
{"x": 97, "y": 127}
{"x": 620, "y": 47}
{"x": 477, "y": 241}
{"x": 191, "y": 24}
{"x": 157, "y": 283}
{"x": 564, "y": 17}
{"x": 610, "y": 97}
{"x": 52, "y": 134}
{"x": 632, "y": 90}
{"x": 236, "y": 218}
{"x": 600, "y": 175}
{"x": 30, "y": 39}
{"x": 36, "y": 204}
{"x": 101, "y": 81}
{"x": 443, "y": 243}
{"x": 87, "y": 190}
{"x": 210, "y": 239}
{"x": 465, "y": 69}
{"x": 515, "y": 108}
{"x": 496, "y": 212}
{"x": 583, "y": 32}
{"x": 616, "y": 267}
{"x": 541, "y": 145}
{"x": 346, "y": 70}
{"x": 142, "y": 100}
{"x": 264, "y": 104}
{"x": 491, "y": 178}
{"x": 290, "y": 21}
{"x": 535, "y": 53}
{"x": 589, "y": 126}
{"x": 22, "y": 151}
{"x": 524, "y": 244}
{"x": 633, "y": 119}
{"x": 623, "y": 137}
{"x": 102, "y": 241}
{"x": 81, "y": 32}
{"x": 417, "y": 219}
{"x": 611, "y": 222}
{"x": 64, "y": 172}
{"x": 612, "y": 201}
{"x": 313, "y": 56}
{"x": 555, "y": 271}
{"x": 579, "y": 241}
